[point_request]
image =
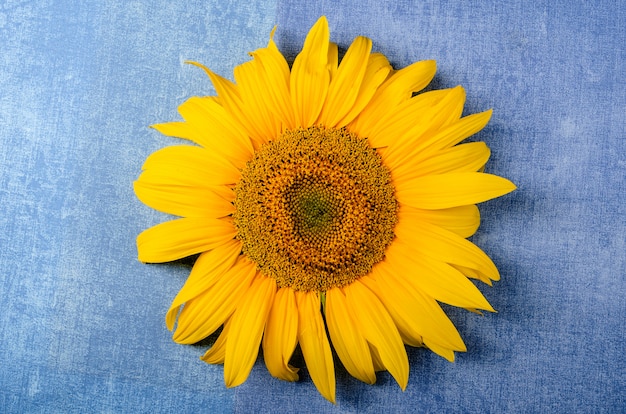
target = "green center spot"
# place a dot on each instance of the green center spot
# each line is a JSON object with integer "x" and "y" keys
{"x": 314, "y": 213}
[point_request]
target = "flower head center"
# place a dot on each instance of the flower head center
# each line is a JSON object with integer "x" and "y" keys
{"x": 315, "y": 209}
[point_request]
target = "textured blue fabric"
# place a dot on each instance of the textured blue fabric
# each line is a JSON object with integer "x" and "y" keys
{"x": 81, "y": 327}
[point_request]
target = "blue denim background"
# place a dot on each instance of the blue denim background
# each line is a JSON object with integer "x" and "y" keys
{"x": 81, "y": 326}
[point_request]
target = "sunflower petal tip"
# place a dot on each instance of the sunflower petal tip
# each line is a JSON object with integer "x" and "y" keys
{"x": 429, "y": 64}
{"x": 510, "y": 186}
{"x": 459, "y": 90}
{"x": 403, "y": 381}
{"x": 432, "y": 65}
{"x": 328, "y": 393}
{"x": 320, "y": 24}
{"x": 330, "y": 398}
{"x": 232, "y": 381}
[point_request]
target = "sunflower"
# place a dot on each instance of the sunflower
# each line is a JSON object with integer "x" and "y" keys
{"x": 329, "y": 203}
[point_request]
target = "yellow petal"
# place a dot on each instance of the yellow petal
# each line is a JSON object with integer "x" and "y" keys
{"x": 184, "y": 237}
{"x": 182, "y": 182}
{"x": 216, "y": 129}
{"x": 217, "y": 352}
{"x": 462, "y": 220}
{"x": 458, "y": 131}
{"x": 346, "y": 83}
{"x": 440, "y": 350}
{"x": 409, "y": 336}
{"x": 397, "y": 88}
{"x": 378, "y": 363}
{"x": 419, "y": 315}
{"x": 310, "y": 75}
{"x": 469, "y": 157}
{"x": 394, "y": 123}
{"x": 248, "y": 322}
{"x": 474, "y": 274}
{"x": 207, "y": 270}
{"x": 184, "y": 175}
{"x": 314, "y": 344}
{"x": 196, "y": 164}
{"x": 445, "y": 112}
{"x": 257, "y": 100}
{"x": 449, "y": 109}
{"x": 202, "y": 315}
{"x": 349, "y": 343}
{"x": 421, "y": 147}
{"x": 406, "y": 81}
{"x": 437, "y": 279}
{"x": 376, "y": 72}
{"x": 228, "y": 95}
{"x": 451, "y": 190}
{"x": 182, "y": 200}
{"x": 281, "y": 335}
{"x": 374, "y": 322}
{"x": 277, "y": 73}
{"x": 429, "y": 121}
{"x": 441, "y": 244}
{"x": 333, "y": 59}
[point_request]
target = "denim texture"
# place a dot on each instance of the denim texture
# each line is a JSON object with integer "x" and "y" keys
{"x": 82, "y": 322}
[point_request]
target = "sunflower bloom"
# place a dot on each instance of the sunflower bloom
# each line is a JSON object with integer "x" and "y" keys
{"x": 329, "y": 204}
